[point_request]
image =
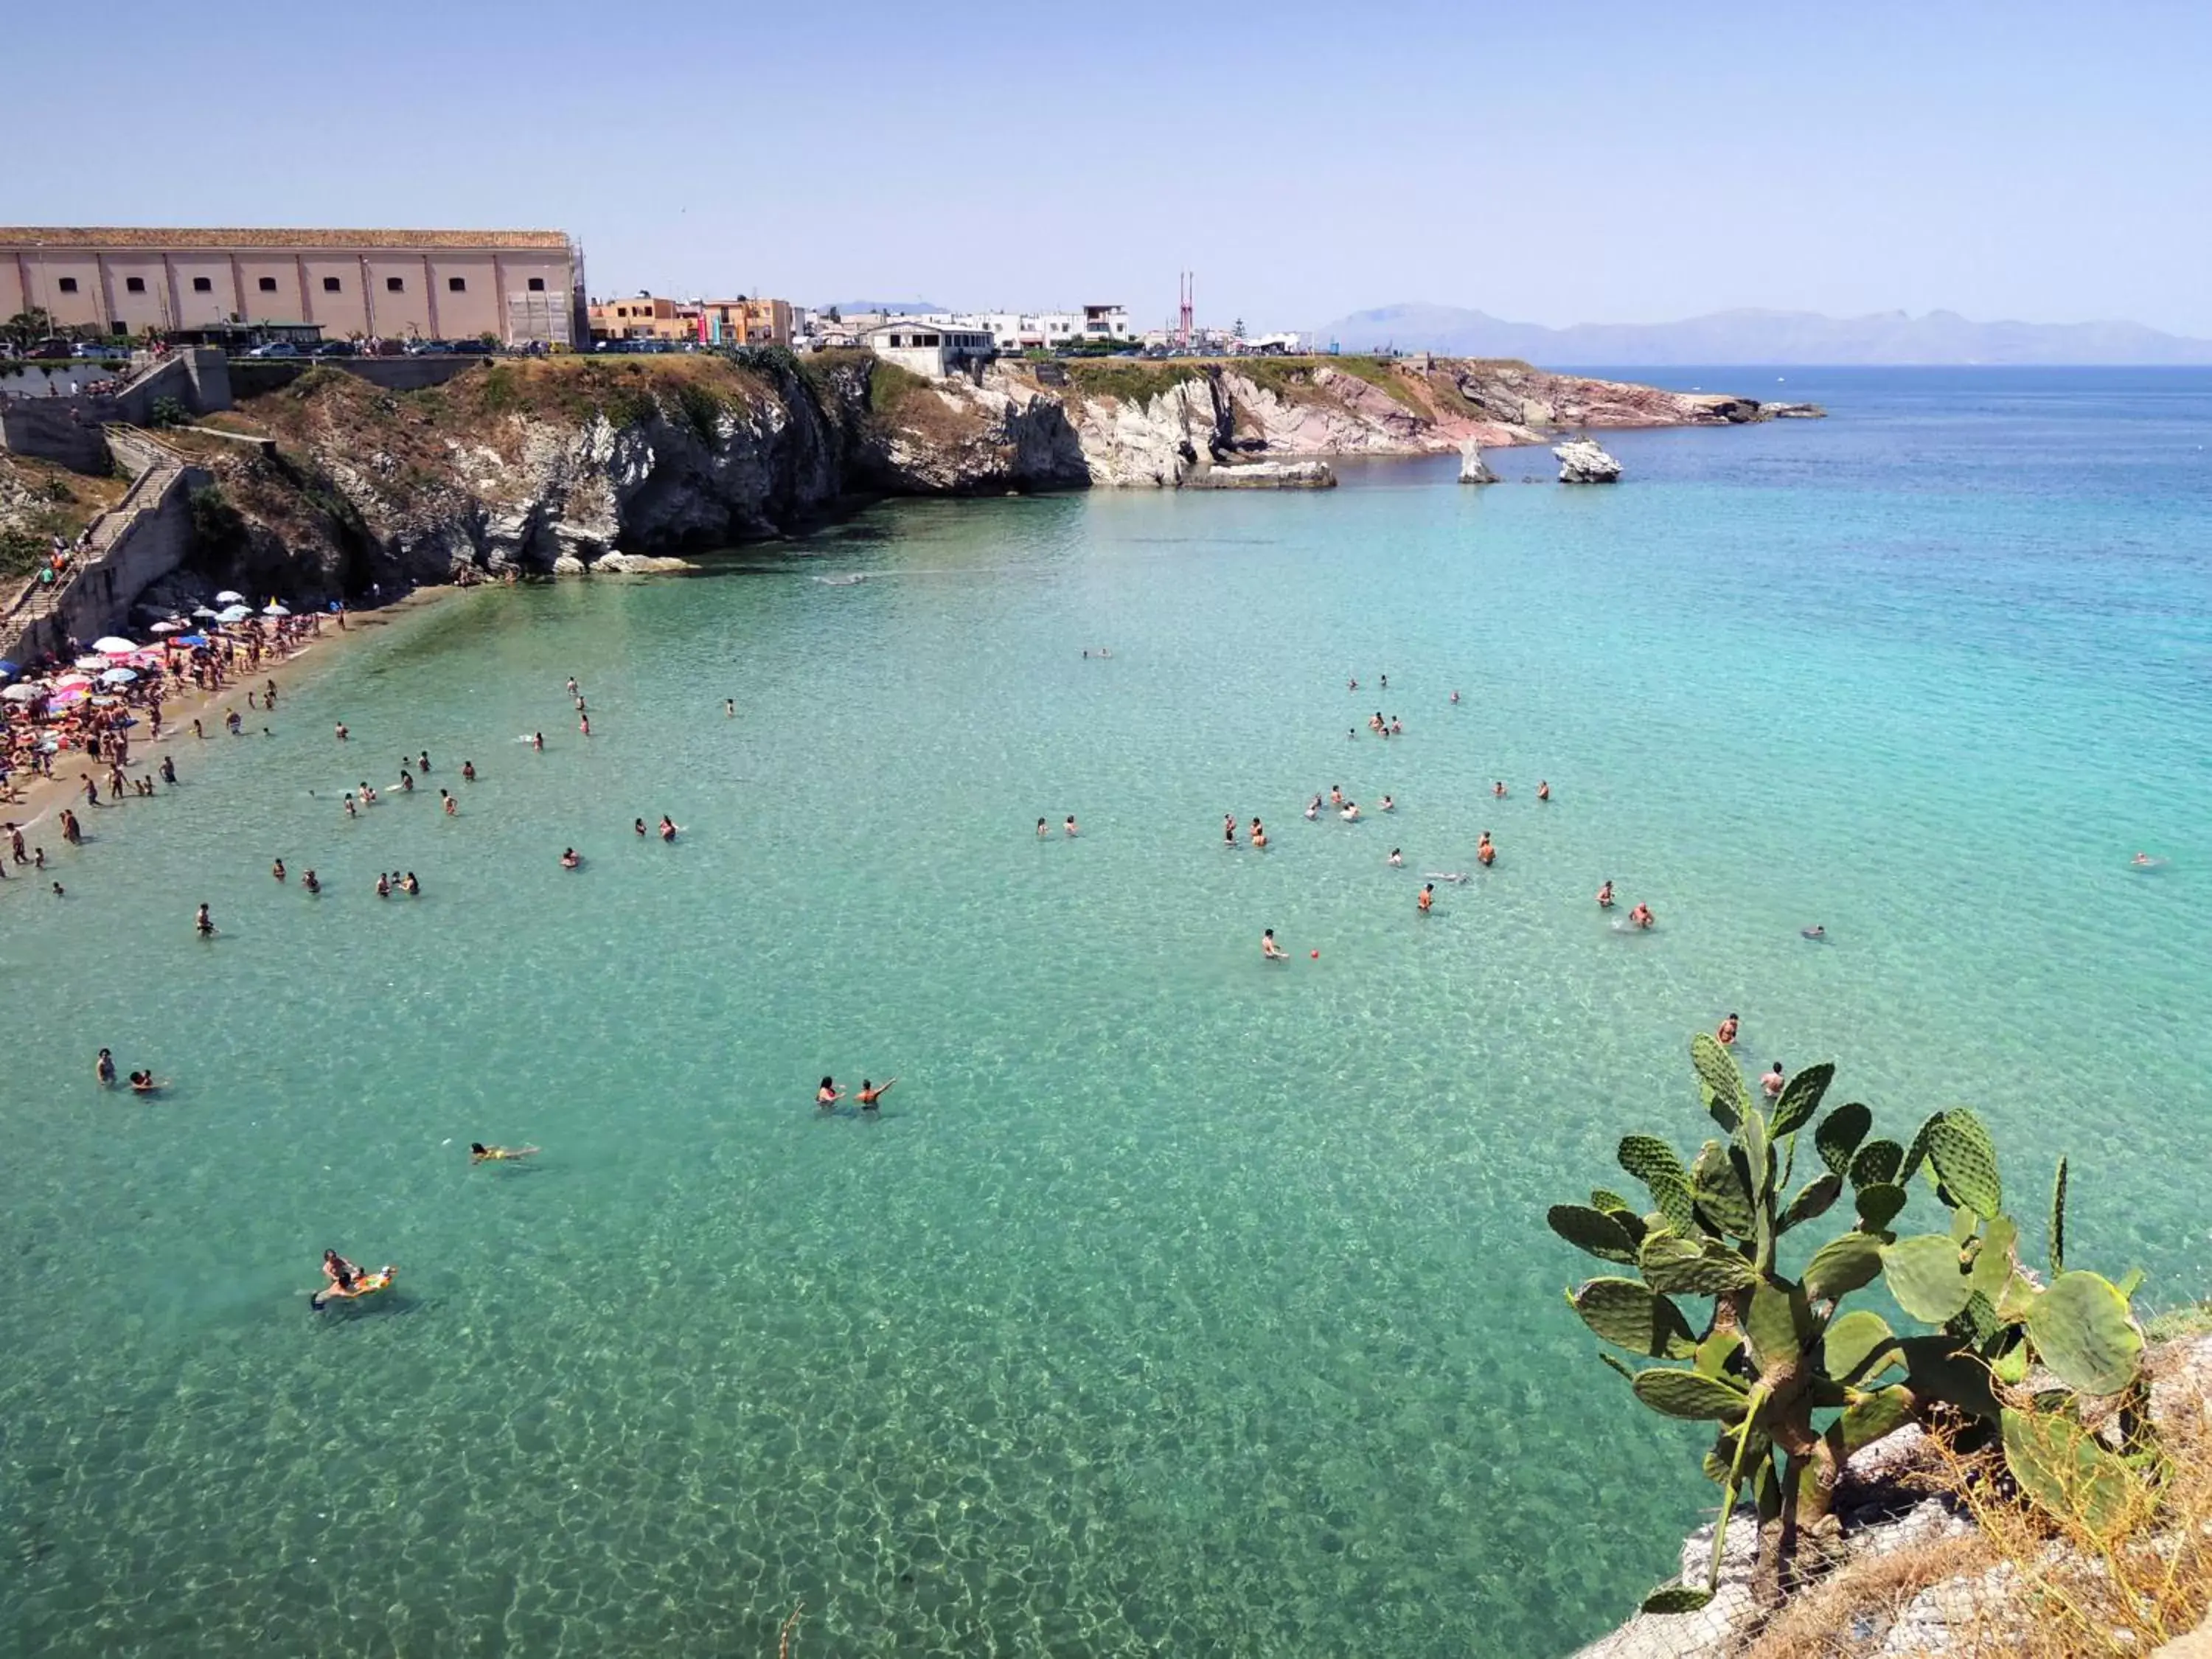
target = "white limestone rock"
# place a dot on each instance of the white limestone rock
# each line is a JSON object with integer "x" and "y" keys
{"x": 1472, "y": 469}
{"x": 1582, "y": 461}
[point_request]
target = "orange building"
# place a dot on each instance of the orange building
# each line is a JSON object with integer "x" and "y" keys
{"x": 643, "y": 317}
{"x": 519, "y": 286}
{"x": 748, "y": 322}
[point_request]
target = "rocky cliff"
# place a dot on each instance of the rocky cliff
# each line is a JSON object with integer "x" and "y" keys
{"x": 565, "y": 462}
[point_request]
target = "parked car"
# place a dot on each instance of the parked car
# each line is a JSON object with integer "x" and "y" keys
{"x": 335, "y": 348}
{"x": 276, "y": 348}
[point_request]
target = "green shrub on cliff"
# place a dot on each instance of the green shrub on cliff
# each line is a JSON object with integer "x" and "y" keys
{"x": 1795, "y": 1384}
{"x": 1129, "y": 380}
{"x": 889, "y": 386}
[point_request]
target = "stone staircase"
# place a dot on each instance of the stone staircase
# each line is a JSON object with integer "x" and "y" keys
{"x": 155, "y": 466}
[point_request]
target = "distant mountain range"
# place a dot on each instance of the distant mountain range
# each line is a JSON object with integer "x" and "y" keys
{"x": 1765, "y": 336}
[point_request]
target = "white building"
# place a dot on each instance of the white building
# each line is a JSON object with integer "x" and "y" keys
{"x": 931, "y": 349}
{"x": 1049, "y": 331}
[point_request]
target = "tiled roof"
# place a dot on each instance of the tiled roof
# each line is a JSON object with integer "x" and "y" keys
{"x": 139, "y": 237}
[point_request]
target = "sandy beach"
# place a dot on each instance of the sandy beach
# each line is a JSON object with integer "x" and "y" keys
{"x": 38, "y": 799}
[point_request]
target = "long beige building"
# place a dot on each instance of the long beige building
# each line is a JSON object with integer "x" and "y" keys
{"x": 517, "y": 285}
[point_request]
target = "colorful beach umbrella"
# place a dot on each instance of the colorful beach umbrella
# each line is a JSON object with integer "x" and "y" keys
{"x": 25, "y": 692}
{"x": 190, "y": 638}
{"x": 92, "y": 662}
{"x": 236, "y": 613}
{"x": 114, "y": 645}
{"x": 273, "y": 609}
{"x": 168, "y": 628}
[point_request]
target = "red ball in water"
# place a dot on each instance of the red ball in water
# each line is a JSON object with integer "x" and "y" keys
{"x": 1317, "y": 956}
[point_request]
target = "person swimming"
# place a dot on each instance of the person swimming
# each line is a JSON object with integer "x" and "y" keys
{"x": 1044, "y": 831}
{"x": 827, "y": 1096}
{"x": 1604, "y": 895}
{"x": 145, "y": 1083}
{"x": 1388, "y": 804}
{"x": 638, "y": 825}
{"x": 1498, "y": 789}
{"x": 1228, "y": 829}
{"x": 569, "y": 859}
{"x": 310, "y": 884}
{"x": 667, "y": 828}
{"x": 1269, "y": 950}
{"x": 1457, "y": 878}
{"x": 468, "y": 771}
{"x": 203, "y": 923}
{"x": 1396, "y": 859}
{"x": 1313, "y": 808}
{"x": 1067, "y": 828}
{"x": 1454, "y": 696}
{"x": 730, "y": 708}
{"x": 406, "y": 781}
{"x": 277, "y": 869}
{"x": 537, "y": 740}
{"x": 1427, "y": 898}
{"x": 1817, "y": 933}
{"x": 872, "y": 1093}
{"x": 351, "y": 810}
{"x": 1726, "y": 1034}
{"x": 414, "y": 888}
{"x": 1641, "y": 917}
{"x": 1351, "y": 812}
{"x": 103, "y": 1067}
{"x": 1771, "y": 1084}
{"x": 383, "y": 886}
{"x": 1335, "y": 795}
{"x": 480, "y": 1153}
{"x": 1259, "y": 836}
{"x": 1485, "y": 855}
{"x": 1543, "y": 790}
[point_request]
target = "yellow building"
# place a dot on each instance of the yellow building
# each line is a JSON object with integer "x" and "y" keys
{"x": 518, "y": 286}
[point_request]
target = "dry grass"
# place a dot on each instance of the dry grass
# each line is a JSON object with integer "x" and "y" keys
{"x": 1817, "y": 1624}
{"x": 2079, "y": 1591}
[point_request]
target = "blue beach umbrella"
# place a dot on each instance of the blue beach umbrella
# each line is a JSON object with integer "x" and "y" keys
{"x": 119, "y": 677}
{"x": 235, "y": 614}
{"x": 9, "y": 670}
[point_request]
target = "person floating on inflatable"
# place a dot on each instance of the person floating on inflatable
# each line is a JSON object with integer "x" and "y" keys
{"x": 347, "y": 1282}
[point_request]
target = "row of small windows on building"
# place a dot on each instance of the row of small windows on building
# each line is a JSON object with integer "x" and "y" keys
{"x": 268, "y": 284}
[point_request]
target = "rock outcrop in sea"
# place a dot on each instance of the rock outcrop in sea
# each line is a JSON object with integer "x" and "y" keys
{"x": 1582, "y": 461}
{"x": 1472, "y": 469}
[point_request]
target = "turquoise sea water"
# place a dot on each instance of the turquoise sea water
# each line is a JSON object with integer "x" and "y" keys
{"x": 1176, "y": 1304}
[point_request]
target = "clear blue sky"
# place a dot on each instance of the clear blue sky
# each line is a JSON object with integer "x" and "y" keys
{"x": 1597, "y": 162}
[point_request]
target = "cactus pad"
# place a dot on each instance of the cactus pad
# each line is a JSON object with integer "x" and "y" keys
{"x": 1853, "y": 1341}
{"x": 1965, "y": 1161}
{"x": 1800, "y": 1098}
{"x": 1812, "y": 1199}
{"x": 1717, "y": 1185}
{"x": 1717, "y": 1071}
{"x": 1631, "y": 1315}
{"x": 1676, "y": 1598}
{"x": 1593, "y": 1230}
{"x": 1839, "y": 1134}
{"x": 1844, "y": 1265}
{"x": 1876, "y": 1163}
{"x": 1685, "y": 1267}
{"x": 2058, "y": 1220}
{"x": 2083, "y": 1330}
{"x": 1880, "y": 1203}
{"x": 1923, "y": 1273}
{"x": 1780, "y": 1324}
{"x": 2064, "y": 1471}
{"x": 1686, "y": 1394}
